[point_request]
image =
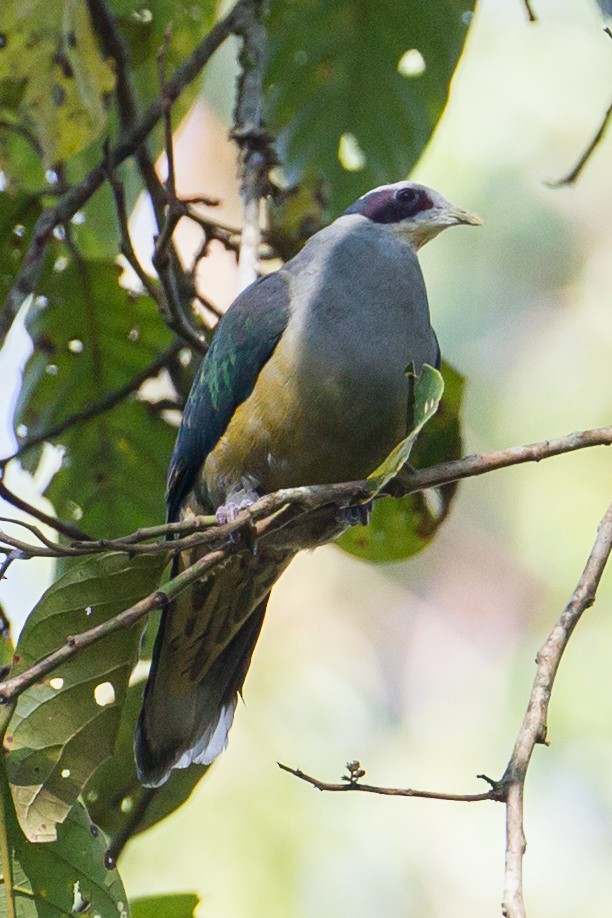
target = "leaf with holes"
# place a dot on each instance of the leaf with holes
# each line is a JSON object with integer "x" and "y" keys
{"x": 64, "y": 726}
{"x": 116, "y": 800}
{"x": 72, "y": 875}
{"x": 360, "y": 82}
{"x": 91, "y": 338}
{"x": 398, "y": 529}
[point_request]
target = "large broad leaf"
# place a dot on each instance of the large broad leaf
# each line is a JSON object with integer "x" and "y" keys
{"x": 50, "y": 56}
{"x": 91, "y": 337}
{"x": 398, "y": 529}
{"x": 180, "y": 905}
{"x": 341, "y": 77}
{"x": 72, "y": 875}
{"x": 64, "y": 726}
{"x": 117, "y": 801}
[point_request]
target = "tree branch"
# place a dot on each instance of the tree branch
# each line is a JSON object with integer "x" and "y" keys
{"x": 575, "y": 173}
{"x": 529, "y": 10}
{"x": 352, "y": 782}
{"x": 510, "y": 788}
{"x": 66, "y": 529}
{"x": 256, "y": 154}
{"x": 534, "y": 727}
{"x": 201, "y": 531}
{"x": 159, "y": 599}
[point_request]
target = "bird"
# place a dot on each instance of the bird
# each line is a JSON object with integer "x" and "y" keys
{"x": 304, "y": 383}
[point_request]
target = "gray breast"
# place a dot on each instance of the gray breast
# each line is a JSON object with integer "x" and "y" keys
{"x": 359, "y": 317}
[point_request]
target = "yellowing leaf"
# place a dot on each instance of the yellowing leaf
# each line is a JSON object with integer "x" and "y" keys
{"x": 50, "y": 52}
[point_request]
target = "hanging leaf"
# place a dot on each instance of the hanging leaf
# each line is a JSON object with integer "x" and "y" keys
{"x": 398, "y": 529}
{"x": 64, "y": 726}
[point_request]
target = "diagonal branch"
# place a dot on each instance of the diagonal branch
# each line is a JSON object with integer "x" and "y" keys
{"x": 573, "y": 175}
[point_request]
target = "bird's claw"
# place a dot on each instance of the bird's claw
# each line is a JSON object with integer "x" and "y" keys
{"x": 235, "y": 503}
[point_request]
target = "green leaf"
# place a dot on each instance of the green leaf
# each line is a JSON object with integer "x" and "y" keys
{"x": 64, "y": 726}
{"x": 50, "y": 51}
{"x": 56, "y": 879}
{"x": 18, "y": 214}
{"x": 333, "y": 71}
{"x": 91, "y": 337}
{"x": 180, "y": 905}
{"x": 400, "y": 528}
{"x": 118, "y": 803}
{"x": 428, "y": 389}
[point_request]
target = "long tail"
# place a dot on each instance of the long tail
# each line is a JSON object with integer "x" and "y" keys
{"x": 202, "y": 653}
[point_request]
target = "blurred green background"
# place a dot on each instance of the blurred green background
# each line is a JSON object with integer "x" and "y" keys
{"x": 422, "y": 670}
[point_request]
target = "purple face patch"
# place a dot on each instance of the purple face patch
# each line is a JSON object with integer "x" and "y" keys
{"x": 392, "y": 205}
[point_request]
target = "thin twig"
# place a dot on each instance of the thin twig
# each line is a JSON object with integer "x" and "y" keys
{"x": 355, "y": 784}
{"x": 574, "y": 173}
{"x": 127, "y": 248}
{"x": 510, "y": 788}
{"x": 534, "y": 727}
{"x": 529, "y": 10}
{"x": 65, "y": 529}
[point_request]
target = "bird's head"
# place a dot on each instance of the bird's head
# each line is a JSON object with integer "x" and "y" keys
{"x": 413, "y": 212}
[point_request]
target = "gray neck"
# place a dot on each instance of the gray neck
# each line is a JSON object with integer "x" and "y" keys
{"x": 358, "y": 299}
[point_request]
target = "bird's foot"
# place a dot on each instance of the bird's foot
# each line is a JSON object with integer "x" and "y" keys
{"x": 358, "y": 514}
{"x": 236, "y": 502}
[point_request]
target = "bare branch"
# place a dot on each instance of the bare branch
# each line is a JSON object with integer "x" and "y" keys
{"x": 202, "y": 531}
{"x": 529, "y": 10}
{"x": 352, "y": 782}
{"x": 534, "y": 727}
{"x": 574, "y": 173}
{"x": 159, "y": 599}
{"x": 257, "y": 156}
{"x": 66, "y": 529}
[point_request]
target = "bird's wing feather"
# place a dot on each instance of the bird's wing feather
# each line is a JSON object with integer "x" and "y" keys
{"x": 243, "y": 343}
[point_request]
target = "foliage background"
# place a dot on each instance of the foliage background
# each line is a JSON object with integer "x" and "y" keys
{"x": 421, "y": 670}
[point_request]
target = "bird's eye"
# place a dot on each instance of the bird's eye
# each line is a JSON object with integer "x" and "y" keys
{"x": 407, "y": 195}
